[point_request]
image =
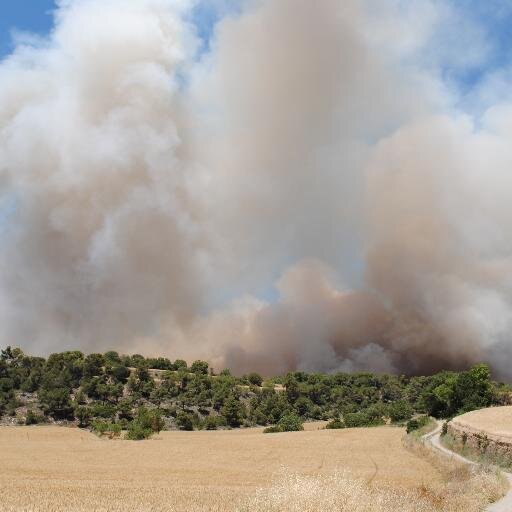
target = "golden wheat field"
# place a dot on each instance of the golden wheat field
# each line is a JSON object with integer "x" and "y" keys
{"x": 496, "y": 421}
{"x": 48, "y": 468}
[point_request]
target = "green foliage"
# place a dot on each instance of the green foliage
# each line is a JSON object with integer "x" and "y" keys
{"x": 288, "y": 423}
{"x": 449, "y": 394}
{"x": 180, "y": 364}
{"x": 185, "y": 421}
{"x": 83, "y": 415}
{"x": 400, "y": 411}
{"x": 417, "y": 423}
{"x": 274, "y": 429}
{"x": 120, "y": 373}
{"x": 255, "y": 379}
{"x": 56, "y": 402}
{"x": 233, "y": 411}
{"x": 146, "y": 423}
{"x": 335, "y": 424}
{"x": 200, "y": 367}
{"x": 136, "y": 432}
{"x": 365, "y": 418}
{"x": 106, "y": 428}
{"x": 113, "y": 388}
{"x": 33, "y": 418}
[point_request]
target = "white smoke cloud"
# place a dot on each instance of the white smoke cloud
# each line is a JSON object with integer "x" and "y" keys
{"x": 304, "y": 195}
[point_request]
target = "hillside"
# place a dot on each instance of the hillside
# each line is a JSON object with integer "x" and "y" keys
{"x": 111, "y": 392}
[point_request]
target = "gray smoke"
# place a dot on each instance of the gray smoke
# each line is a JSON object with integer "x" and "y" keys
{"x": 302, "y": 195}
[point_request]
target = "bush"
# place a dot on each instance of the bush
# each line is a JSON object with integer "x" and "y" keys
{"x": 185, "y": 421}
{"x": 400, "y": 411}
{"x": 362, "y": 419}
{"x": 336, "y": 423}
{"x": 200, "y": 367}
{"x": 211, "y": 423}
{"x": 416, "y": 423}
{"x": 288, "y": 423}
{"x": 83, "y": 415}
{"x": 33, "y": 418}
{"x": 147, "y": 423}
{"x": 233, "y": 411}
{"x": 255, "y": 379}
{"x": 120, "y": 373}
{"x": 99, "y": 410}
{"x": 107, "y": 428}
{"x": 137, "y": 432}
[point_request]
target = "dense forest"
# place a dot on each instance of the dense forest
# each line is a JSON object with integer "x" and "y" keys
{"x": 110, "y": 393}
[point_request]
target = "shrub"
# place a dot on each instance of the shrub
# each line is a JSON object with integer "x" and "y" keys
{"x": 290, "y": 423}
{"x": 362, "y": 419}
{"x": 147, "y": 423}
{"x": 233, "y": 411}
{"x": 416, "y": 423}
{"x": 444, "y": 429}
{"x": 184, "y": 421}
{"x": 120, "y": 373}
{"x": 255, "y": 379}
{"x": 99, "y": 410}
{"x": 83, "y": 415}
{"x": 106, "y": 428}
{"x": 56, "y": 402}
{"x": 336, "y": 423}
{"x": 400, "y": 411}
{"x": 33, "y": 418}
{"x": 200, "y": 367}
{"x": 137, "y": 432}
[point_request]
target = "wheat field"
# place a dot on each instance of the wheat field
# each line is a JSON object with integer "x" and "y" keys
{"x": 49, "y": 469}
{"x": 496, "y": 421}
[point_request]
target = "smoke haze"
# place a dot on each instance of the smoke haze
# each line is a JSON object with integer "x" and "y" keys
{"x": 308, "y": 192}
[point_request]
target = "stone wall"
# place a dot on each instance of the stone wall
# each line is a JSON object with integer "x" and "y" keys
{"x": 493, "y": 444}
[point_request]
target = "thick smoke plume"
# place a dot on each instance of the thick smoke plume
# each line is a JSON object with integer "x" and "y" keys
{"x": 302, "y": 194}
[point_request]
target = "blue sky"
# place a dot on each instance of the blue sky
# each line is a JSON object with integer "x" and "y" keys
{"x": 26, "y": 15}
{"x": 494, "y": 16}
{"x": 36, "y": 16}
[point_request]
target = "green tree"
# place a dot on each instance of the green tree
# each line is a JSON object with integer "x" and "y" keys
{"x": 290, "y": 423}
{"x": 255, "y": 379}
{"x": 200, "y": 367}
{"x": 185, "y": 421}
{"x": 400, "y": 411}
{"x": 233, "y": 411}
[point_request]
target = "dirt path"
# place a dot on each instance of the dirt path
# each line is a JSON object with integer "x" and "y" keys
{"x": 434, "y": 439}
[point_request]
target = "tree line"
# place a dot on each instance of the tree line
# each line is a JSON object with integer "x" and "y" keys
{"x": 110, "y": 393}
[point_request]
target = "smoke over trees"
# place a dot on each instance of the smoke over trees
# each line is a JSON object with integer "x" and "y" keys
{"x": 308, "y": 192}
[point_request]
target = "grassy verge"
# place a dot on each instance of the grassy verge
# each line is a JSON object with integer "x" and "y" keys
{"x": 463, "y": 487}
{"x": 485, "y": 458}
{"x": 430, "y": 426}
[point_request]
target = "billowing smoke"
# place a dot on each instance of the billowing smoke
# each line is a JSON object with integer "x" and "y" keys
{"x": 300, "y": 193}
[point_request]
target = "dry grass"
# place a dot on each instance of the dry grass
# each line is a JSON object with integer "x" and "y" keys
{"x": 58, "y": 469}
